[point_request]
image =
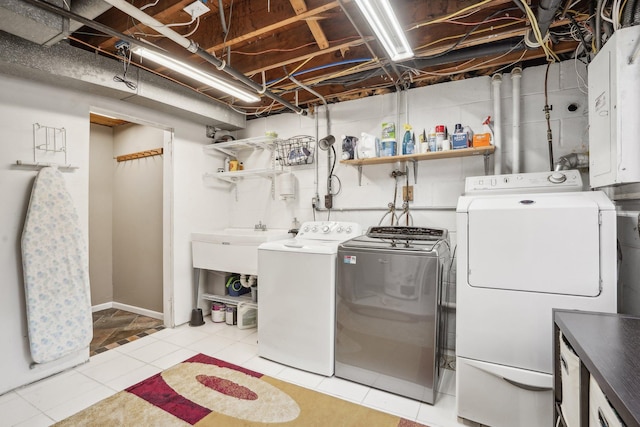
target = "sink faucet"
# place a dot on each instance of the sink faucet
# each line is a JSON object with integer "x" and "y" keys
{"x": 260, "y": 226}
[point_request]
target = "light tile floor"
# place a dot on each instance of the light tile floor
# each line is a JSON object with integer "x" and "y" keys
{"x": 53, "y": 399}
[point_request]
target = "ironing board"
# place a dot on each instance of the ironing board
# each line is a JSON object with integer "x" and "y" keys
{"x": 56, "y": 272}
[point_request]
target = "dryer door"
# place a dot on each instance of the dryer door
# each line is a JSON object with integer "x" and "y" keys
{"x": 535, "y": 243}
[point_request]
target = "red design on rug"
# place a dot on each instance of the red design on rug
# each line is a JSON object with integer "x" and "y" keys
{"x": 226, "y": 387}
{"x": 155, "y": 391}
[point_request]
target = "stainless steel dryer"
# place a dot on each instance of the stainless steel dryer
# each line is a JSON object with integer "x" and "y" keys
{"x": 388, "y": 323}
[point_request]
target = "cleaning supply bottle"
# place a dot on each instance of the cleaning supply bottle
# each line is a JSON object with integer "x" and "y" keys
{"x": 485, "y": 138}
{"x": 424, "y": 143}
{"x": 408, "y": 145}
{"x": 432, "y": 140}
{"x": 459, "y": 139}
{"x": 388, "y": 140}
{"x": 441, "y": 134}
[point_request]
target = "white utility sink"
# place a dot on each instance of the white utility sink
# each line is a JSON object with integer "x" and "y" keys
{"x": 233, "y": 250}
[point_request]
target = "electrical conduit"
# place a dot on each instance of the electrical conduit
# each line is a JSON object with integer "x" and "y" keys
{"x": 516, "y": 75}
{"x": 193, "y": 47}
{"x": 326, "y": 107}
{"x": 496, "y": 81}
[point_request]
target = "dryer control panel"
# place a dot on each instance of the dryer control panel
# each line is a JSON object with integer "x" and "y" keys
{"x": 535, "y": 182}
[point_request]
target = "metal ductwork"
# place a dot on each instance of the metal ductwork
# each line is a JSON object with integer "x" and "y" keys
{"x": 572, "y": 161}
{"x": 44, "y": 27}
{"x": 546, "y": 12}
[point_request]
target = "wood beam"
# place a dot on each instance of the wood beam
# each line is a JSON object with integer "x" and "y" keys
{"x": 300, "y": 7}
{"x": 273, "y": 28}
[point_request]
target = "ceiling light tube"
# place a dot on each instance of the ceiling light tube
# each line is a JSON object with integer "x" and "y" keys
{"x": 194, "y": 73}
{"x": 384, "y": 23}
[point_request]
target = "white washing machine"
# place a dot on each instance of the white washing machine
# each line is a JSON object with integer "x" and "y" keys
{"x": 296, "y": 296}
{"x": 527, "y": 243}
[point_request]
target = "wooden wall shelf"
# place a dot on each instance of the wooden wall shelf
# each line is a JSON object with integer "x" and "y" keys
{"x": 414, "y": 158}
{"x": 462, "y": 152}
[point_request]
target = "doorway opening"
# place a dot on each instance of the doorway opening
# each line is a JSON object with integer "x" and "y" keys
{"x": 130, "y": 254}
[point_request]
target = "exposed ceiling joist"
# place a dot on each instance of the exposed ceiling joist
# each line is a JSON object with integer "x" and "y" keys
{"x": 327, "y": 46}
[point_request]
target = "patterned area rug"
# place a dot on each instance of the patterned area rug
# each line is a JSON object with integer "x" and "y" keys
{"x": 203, "y": 391}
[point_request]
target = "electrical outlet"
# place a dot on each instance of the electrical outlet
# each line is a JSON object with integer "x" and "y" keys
{"x": 407, "y": 193}
{"x": 195, "y": 9}
{"x": 328, "y": 201}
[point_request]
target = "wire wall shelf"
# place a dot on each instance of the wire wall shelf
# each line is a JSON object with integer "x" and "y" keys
{"x": 295, "y": 151}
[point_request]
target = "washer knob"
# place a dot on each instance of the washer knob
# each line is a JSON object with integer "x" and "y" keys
{"x": 340, "y": 229}
{"x": 348, "y": 230}
{"x": 557, "y": 177}
{"x": 314, "y": 229}
{"x": 326, "y": 229}
{"x": 306, "y": 228}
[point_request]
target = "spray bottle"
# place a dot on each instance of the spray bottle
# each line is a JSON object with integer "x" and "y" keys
{"x": 408, "y": 144}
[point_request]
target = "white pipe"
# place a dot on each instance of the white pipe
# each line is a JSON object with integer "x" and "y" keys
{"x": 496, "y": 81}
{"x": 516, "y": 76}
{"x": 149, "y": 21}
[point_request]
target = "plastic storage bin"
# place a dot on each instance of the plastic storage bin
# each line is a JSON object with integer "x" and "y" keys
{"x": 570, "y": 378}
{"x": 601, "y": 413}
{"x": 247, "y": 316}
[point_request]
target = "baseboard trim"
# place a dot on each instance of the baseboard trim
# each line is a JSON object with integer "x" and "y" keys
{"x": 100, "y": 307}
{"x": 138, "y": 310}
{"x": 130, "y": 308}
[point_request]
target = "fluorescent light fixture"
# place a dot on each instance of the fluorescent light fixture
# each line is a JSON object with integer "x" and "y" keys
{"x": 194, "y": 73}
{"x": 385, "y": 24}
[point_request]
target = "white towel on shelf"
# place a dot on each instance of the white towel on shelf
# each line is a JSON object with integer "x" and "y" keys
{"x": 56, "y": 271}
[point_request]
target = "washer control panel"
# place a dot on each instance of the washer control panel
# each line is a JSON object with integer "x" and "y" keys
{"x": 329, "y": 230}
{"x": 535, "y": 182}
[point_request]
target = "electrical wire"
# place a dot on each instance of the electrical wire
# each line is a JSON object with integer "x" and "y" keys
{"x": 237, "y": 52}
{"x": 224, "y": 41}
{"x": 535, "y": 28}
{"x": 445, "y": 18}
{"x": 323, "y": 67}
{"x": 474, "y": 67}
{"x": 149, "y": 5}
{"x": 472, "y": 32}
{"x": 125, "y": 52}
{"x": 486, "y": 21}
{"x": 290, "y": 74}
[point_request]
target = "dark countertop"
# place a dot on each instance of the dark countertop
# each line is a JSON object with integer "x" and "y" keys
{"x": 609, "y": 347}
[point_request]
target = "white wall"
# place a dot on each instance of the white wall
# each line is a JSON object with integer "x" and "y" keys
{"x": 101, "y": 214}
{"x": 191, "y": 205}
{"x": 439, "y": 182}
{"x": 20, "y": 107}
{"x": 137, "y": 218}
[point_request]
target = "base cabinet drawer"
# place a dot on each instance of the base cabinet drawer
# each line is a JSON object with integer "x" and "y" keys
{"x": 601, "y": 413}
